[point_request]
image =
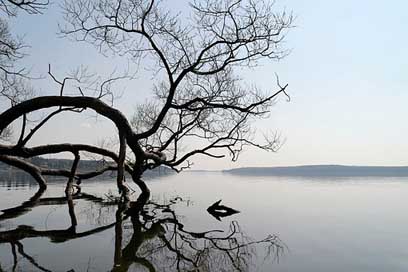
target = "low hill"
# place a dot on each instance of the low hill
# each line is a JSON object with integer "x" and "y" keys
{"x": 11, "y": 173}
{"x": 323, "y": 171}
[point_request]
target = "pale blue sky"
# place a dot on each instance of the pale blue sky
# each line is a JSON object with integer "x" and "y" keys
{"x": 346, "y": 74}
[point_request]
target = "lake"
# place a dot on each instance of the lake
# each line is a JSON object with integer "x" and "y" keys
{"x": 284, "y": 224}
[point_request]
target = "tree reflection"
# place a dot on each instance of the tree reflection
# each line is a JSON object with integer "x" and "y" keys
{"x": 148, "y": 236}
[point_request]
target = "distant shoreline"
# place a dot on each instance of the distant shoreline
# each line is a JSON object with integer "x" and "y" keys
{"x": 323, "y": 171}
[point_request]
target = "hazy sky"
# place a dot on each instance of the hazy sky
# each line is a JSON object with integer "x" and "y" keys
{"x": 346, "y": 75}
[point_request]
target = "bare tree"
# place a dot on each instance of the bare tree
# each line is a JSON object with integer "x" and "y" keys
{"x": 197, "y": 95}
{"x": 11, "y": 7}
{"x": 14, "y": 87}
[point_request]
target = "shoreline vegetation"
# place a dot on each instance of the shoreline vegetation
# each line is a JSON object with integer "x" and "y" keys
{"x": 9, "y": 172}
{"x": 301, "y": 170}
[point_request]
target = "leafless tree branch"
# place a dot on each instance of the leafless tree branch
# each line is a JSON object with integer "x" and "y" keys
{"x": 198, "y": 98}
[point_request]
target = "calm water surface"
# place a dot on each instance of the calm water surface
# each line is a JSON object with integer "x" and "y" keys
{"x": 353, "y": 224}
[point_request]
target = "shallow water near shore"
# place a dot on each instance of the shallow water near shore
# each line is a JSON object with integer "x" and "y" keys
{"x": 325, "y": 224}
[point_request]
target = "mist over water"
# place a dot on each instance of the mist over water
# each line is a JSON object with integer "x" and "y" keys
{"x": 323, "y": 224}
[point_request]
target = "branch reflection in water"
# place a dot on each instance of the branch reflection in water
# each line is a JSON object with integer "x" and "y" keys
{"x": 148, "y": 236}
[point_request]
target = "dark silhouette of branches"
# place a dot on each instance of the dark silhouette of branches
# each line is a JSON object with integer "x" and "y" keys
{"x": 160, "y": 242}
{"x": 10, "y": 7}
{"x": 198, "y": 98}
{"x": 14, "y": 85}
{"x": 37, "y": 200}
{"x": 146, "y": 233}
{"x": 16, "y": 236}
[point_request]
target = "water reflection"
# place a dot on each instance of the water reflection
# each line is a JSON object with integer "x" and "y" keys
{"x": 14, "y": 180}
{"x": 148, "y": 236}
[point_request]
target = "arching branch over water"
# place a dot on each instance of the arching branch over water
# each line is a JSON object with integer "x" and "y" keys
{"x": 197, "y": 96}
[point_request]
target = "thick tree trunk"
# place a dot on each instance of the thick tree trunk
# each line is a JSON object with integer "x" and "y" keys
{"x": 126, "y": 134}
